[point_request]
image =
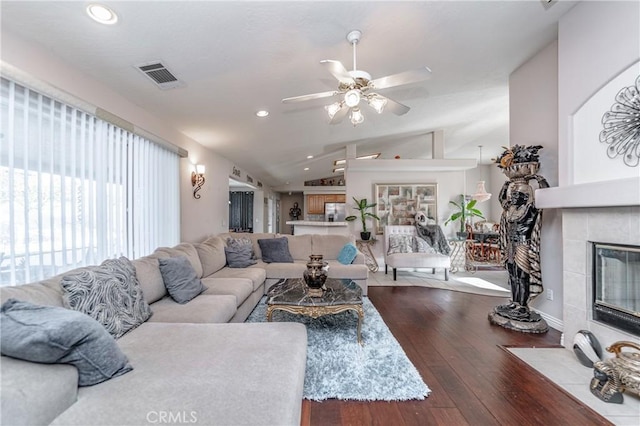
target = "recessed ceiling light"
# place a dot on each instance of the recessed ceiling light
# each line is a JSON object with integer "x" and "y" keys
{"x": 309, "y": 157}
{"x": 306, "y": 168}
{"x": 262, "y": 113}
{"x": 102, "y": 14}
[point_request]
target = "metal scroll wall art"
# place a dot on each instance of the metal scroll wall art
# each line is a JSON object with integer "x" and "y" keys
{"x": 622, "y": 126}
{"x": 520, "y": 226}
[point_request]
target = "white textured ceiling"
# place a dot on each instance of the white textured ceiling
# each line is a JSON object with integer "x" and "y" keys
{"x": 239, "y": 57}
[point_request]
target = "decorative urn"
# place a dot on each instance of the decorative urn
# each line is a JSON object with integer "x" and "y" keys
{"x": 315, "y": 275}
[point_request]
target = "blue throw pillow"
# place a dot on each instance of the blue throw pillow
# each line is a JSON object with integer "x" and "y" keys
{"x": 275, "y": 250}
{"x": 347, "y": 254}
{"x": 54, "y": 335}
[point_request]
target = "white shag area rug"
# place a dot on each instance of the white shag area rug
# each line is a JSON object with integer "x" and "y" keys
{"x": 339, "y": 367}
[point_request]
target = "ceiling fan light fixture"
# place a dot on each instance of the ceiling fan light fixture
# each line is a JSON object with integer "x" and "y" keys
{"x": 352, "y": 98}
{"x": 333, "y": 109}
{"x": 356, "y": 116}
{"x": 378, "y": 103}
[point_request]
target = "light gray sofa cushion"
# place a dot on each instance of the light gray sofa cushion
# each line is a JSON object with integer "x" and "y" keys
{"x": 255, "y": 273}
{"x": 180, "y": 279}
{"x": 211, "y": 253}
{"x": 53, "y": 335}
{"x": 34, "y": 393}
{"x": 182, "y": 249}
{"x": 223, "y": 374}
{"x": 329, "y": 246}
{"x": 46, "y": 292}
{"x": 241, "y": 288}
{"x": 299, "y": 246}
{"x": 202, "y": 309}
{"x": 285, "y": 270}
{"x": 150, "y": 278}
{"x": 108, "y": 293}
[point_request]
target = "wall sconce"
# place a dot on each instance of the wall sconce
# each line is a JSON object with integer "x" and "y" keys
{"x": 197, "y": 180}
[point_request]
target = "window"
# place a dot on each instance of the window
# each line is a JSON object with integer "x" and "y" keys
{"x": 75, "y": 189}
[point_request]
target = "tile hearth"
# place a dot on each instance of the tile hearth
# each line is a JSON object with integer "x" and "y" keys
{"x": 562, "y": 367}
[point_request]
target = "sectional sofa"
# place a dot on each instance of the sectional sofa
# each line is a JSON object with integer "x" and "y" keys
{"x": 195, "y": 362}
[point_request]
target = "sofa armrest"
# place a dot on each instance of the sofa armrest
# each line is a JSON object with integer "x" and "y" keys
{"x": 359, "y": 260}
{"x": 34, "y": 393}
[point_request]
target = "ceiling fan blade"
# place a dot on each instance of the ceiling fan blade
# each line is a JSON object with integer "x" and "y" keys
{"x": 340, "y": 115}
{"x": 309, "y": 97}
{"x": 399, "y": 79}
{"x": 395, "y": 107}
{"x": 338, "y": 71}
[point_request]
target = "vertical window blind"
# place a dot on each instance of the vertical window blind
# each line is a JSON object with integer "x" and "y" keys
{"x": 75, "y": 189}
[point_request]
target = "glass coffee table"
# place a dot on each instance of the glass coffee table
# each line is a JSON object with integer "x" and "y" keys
{"x": 290, "y": 295}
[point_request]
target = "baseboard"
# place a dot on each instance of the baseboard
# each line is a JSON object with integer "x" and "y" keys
{"x": 553, "y": 322}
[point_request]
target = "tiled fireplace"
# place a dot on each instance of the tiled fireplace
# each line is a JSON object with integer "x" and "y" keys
{"x": 581, "y": 228}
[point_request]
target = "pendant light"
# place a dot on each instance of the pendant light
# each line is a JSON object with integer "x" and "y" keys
{"x": 481, "y": 193}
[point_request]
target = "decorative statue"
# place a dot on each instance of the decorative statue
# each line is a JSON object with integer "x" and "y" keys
{"x": 520, "y": 226}
{"x": 295, "y": 211}
{"x": 614, "y": 376}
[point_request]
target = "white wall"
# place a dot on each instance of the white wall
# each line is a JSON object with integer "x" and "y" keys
{"x": 450, "y": 186}
{"x": 199, "y": 218}
{"x": 597, "y": 41}
{"x": 533, "y": 120}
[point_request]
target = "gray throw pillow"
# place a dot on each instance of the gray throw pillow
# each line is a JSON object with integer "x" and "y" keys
{"x": 54, "y": 335}
{"x": 180, "y": 279}
{"x": 275, "y": 250}
{"x": 235, "y": 243}
{"x": 109, "y": 293}
{"x": 401, "y": 243}
{"x": 239, "y": 256}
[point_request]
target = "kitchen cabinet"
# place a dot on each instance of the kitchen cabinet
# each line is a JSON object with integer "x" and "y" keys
{"x": 334, "y": 198}
{"x": 315, "y": 202}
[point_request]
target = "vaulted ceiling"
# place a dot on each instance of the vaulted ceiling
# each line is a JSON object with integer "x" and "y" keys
{"x": 236, "y": 58}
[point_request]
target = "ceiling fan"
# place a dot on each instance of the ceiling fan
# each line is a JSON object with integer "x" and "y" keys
{"x": 356, "y": 86}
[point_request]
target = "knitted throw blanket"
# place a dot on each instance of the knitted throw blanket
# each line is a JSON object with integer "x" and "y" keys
{"x": 434, "y": 236}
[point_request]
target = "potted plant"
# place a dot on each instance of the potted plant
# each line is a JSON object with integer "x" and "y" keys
{"x": 363, "y": 206}
{"x": 463, "y": 213}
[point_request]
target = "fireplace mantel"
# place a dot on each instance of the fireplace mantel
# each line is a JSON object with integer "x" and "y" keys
{"x": 614, "y": 193}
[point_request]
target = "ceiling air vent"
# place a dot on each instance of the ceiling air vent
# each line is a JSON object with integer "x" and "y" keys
{"x": 160, "y": 75}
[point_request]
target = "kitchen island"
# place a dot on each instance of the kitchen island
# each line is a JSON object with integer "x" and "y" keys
{"x": 302, "y": 227}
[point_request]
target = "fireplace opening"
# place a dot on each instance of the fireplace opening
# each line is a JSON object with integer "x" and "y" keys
{"x": 616, "y": 286}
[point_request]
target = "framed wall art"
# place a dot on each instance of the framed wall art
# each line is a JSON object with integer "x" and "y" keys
{"x": 398, "y": 203}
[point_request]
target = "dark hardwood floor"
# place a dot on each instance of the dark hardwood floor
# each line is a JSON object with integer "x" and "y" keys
{"x": 461, "y": 357}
